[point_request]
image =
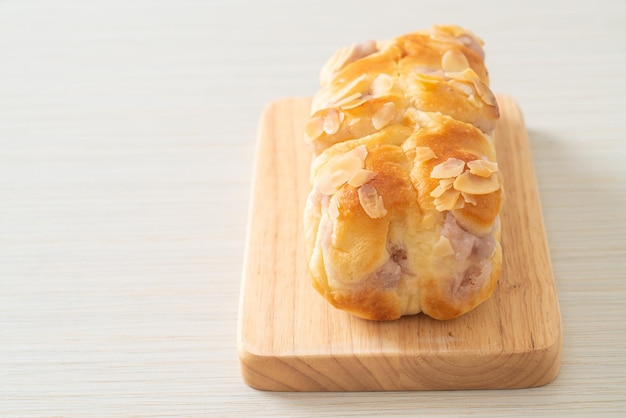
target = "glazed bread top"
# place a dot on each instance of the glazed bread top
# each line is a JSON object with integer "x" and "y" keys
{"x": 441, "y": 70}
{"x": 401, "y": 130}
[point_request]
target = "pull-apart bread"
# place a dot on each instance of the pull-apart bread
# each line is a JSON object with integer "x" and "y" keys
{"x": 403, "y": 216}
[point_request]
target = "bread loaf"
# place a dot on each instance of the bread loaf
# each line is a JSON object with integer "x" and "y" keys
{"x": 403, "y": 215}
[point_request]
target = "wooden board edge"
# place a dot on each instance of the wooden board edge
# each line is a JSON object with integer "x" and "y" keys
{"x": 293, "y": 373}
{"x": 310, "y": 373}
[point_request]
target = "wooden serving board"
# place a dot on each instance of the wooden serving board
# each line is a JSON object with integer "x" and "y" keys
{"x": 291, "y": 339}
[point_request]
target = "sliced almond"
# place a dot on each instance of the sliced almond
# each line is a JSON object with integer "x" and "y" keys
{"x": 347, "y": 90}
{"x": 474, "y": 101}
{"x": 469, "y": 198}
{"x": 342, "y": 116}
{"x": 428, "y": 78}
{"x": 352, "y": 123}
{"x": 485, "y": 93}
{"x": 443, "y": 247}
{"x": 339, "y": 177}
{"x": 424, "y": 154}
{"x": 470, "y": 75}
{"x": 437, "y": 33}
{"x": 482, "y": 168}
{"x": 446, "y": 183}
{"x": 447, "y": 201}
{"x": 381, "y": 85}
{"x": 335, "y": 63}
{"x": 473, "y": 184}
{"x": 481, "y": 88}
{"x": 442, "y": 187}
{"x": 384, "y": 115}
{"x": 466, "y": 75}
{"x": 371, "y": 202}
{"x": 454, "y": 60}
{"x": 343, "y": 169}
{"x": 348, "y": 100}
{"x": 331, "y": 122}
{"x": 350, "y": 162}
{"x": 366, "y": 48}
{"x": 452, "y": 167}
{"x": 431, "y": 71}
{"x": 325, "y": 186}
{"x": 345, "y": 56}
{"x": 360, "y": 152}
{"x": 472, "y": 42}
{"x": 353, "y": 104}
{"x": 464, "y": 88}
{"x": 361, "y": 177}
{"x": 315, "y": 127}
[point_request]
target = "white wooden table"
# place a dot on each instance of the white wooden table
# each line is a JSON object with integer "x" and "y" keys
{"x": 127, "y": 133}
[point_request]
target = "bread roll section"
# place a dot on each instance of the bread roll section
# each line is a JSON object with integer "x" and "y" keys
{"x": 403, "y": 214}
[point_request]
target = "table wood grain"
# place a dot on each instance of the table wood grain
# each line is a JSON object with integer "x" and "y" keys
{"x": 127, "y": 133}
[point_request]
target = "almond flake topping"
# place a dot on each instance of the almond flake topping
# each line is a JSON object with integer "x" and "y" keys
{"x": 325, "y": 186}
{"x": 468, "y": 75}
{"x": 447, "y": 201}
{"x": 353, "y": 104}
{"x": 345, "y": 56}
{"x": 485, "y": 93}
{"x": 360, "y": 151}
{"x": 444, "y": 185}
{"x": 443, "y": 247}
{"x": 381, "y": 85}
{"x": 354, "y": 122}
{"x": 428, "y": 71}
{"x": 472, "y": 42}
{"x": 437, "y": 33}
{"x": 464, "y": 88}
{"x": 452, "y": 167}
{"x": 460, "y": 203}
{"x": 348, "y": 100}
{"x": 457, "y": 187}
{"x": 482, "y": 168}
{"x": 348, "y": 90}
{"x": 447, "y": 183}
{"x": 424, "y": 154}
{"x": 344, "y": 169}
{"x": 384, "y": 115}
{"x": 331, "y": 122}
{"x": 454, "y": 60}
{"x": 473, "y": 184}
{"x": 469, "y": 198}
{"x": 428, "y": 78}
{"x": 338, "y": 172}
{"x": 361, "y": 177}
{"x": 371, "y": 202}
{"x": 333, "y": 207}
{"x": 472, "y": 99}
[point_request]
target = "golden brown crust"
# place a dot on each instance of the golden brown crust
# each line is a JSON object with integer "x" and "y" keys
{"x": 403, "y": 215}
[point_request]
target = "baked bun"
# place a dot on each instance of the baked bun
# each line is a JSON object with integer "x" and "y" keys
{"x": 403, "y": 216}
